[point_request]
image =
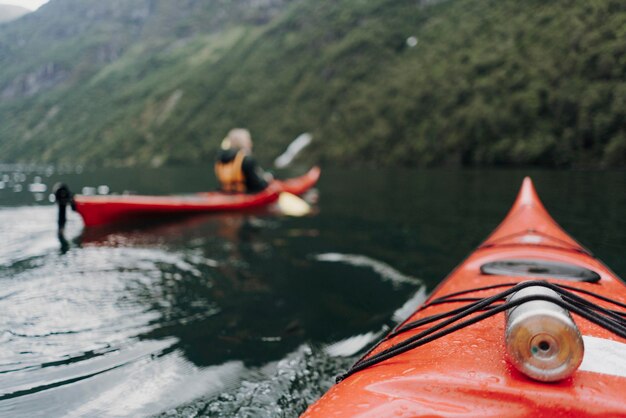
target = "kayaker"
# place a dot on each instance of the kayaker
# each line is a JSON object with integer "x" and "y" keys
{"x": 235, "y": 168}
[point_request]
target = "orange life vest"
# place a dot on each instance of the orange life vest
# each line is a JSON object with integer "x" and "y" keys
{"x": 230, "y": 174}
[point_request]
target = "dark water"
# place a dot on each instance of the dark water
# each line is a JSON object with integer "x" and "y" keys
{"x": 242, "y": 315}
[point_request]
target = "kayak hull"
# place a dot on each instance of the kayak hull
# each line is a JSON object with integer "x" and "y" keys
{"x": 466, "y": 373}
{"x": 102, "y": 210}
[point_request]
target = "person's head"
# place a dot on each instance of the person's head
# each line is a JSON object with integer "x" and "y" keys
{"x": 238, "y": 138}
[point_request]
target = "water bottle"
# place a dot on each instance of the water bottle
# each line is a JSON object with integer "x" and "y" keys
{"x": 542, "y": 340}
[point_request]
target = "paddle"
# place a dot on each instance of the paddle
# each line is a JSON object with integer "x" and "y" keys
{"x": 290, "y": 204}
{"x": 296, "y": 146}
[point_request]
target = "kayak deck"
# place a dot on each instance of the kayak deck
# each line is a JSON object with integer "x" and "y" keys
{"x": 100, "y": 210}
{"x": 466, "y": 372}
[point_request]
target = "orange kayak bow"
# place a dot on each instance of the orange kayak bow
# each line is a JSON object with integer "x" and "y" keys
{"x": 449, "y": 358}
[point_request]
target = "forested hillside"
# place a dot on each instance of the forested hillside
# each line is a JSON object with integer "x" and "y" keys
{"x": 454, "y": 82}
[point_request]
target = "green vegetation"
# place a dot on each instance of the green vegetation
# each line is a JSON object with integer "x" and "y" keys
{"x": 488, "y": 82}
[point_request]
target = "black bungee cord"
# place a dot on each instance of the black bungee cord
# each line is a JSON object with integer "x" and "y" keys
{"x": 610, "y": 320}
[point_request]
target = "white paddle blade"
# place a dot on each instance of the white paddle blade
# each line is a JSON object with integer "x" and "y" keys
{"x": 292, "y": 205}
{"x": 301, "y": 142}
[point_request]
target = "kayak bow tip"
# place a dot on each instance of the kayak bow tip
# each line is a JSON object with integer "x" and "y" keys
{"x": 528, "y": 194}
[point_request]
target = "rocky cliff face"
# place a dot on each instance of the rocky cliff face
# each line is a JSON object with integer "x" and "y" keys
{"x": 75, "y": 38}
{"x": 29, "y": 84}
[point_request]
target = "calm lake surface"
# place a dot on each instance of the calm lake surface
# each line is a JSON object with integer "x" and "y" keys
{"x": 242, "y": 315}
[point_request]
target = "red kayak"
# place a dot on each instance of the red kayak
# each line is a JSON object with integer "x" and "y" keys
{"x": 529, "y": 325}
{"x": 101, "y": 210}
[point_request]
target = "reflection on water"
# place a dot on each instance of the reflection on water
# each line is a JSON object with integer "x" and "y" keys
{"x": 242, "y": 315}
{"x": 384, "y": 270}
